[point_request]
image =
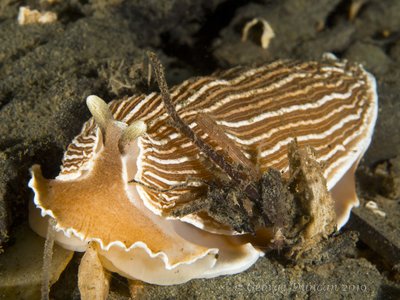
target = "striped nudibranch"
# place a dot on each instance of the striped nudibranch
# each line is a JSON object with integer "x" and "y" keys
{"x": 330, "y": 105}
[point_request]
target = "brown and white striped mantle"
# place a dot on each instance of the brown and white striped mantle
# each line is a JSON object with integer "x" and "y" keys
{"x": 330, "y": 105}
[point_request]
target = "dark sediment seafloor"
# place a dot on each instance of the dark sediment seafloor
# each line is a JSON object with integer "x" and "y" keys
{"x": 97, "y": 47}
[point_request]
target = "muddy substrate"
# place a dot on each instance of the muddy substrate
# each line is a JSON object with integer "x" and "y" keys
{"x": 97, "y": 47}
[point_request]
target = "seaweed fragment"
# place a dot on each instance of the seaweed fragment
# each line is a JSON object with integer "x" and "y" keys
{"x": 299, "y": 210}
{"x": 237, "y": 203}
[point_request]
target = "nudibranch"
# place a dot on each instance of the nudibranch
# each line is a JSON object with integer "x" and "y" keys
{"x": 330, "y": 105}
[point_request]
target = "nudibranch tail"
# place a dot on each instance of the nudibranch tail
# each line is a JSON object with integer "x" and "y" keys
{"x": 342, "y": 185}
